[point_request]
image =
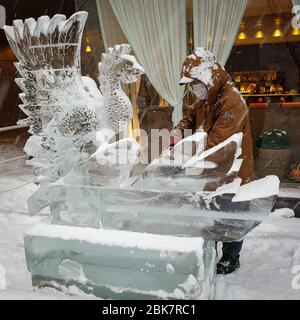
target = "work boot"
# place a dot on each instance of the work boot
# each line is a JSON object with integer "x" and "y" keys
{"x": 228, "y": 263}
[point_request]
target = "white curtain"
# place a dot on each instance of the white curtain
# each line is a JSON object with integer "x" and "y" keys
{"x": 296, "y": 2}
{"x": 111, "y": 30}
{"x": 216, "y": 24}
{"x": 156, "y": 30}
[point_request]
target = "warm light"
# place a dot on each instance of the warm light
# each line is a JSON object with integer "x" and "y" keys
{"x": 259, "y": 24}
{"x": 277, "y": 21}
{"x": 259, "y": 35}
{"x": 242, "y": 36}
{"x": 296, "y": 32}
{"x": 277, "y": 33}
{"x": 88, "y": 49}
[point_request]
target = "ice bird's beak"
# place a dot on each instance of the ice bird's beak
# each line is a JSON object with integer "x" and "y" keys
{"x": 138, "y": 70}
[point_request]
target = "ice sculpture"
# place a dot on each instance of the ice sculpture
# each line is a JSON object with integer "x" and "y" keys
{"x": 65, "y": 111}
{"x": 117, "y": 66}
{"x": 113, "y": 234}
{"x": 119, "y": 264}
{"x": 185, "y": 169}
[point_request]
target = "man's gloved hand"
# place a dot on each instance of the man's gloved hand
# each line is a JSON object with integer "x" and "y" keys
{"x": 173, "y": 140}
{"x": 175, "y": 137}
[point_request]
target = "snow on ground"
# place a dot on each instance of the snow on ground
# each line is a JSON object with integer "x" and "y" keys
{"x": 267, "y": 259}
{"x": 270, "y": 252}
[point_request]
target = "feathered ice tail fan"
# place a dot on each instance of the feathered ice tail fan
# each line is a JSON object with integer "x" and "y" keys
{"x": 48, "y": 51}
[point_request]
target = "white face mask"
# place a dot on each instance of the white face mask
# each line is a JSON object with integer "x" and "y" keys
{"x": 200, "y": 91}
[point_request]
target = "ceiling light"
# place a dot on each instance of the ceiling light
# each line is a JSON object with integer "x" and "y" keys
{"x": 296, "y": 32}
{"x": 277, "y": 21}
{"x": 259, "y": 34}
{"x": 277, "y": 33}
{"x": 242, "y": 36}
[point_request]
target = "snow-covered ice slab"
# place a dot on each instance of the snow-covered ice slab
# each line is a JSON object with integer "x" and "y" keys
{"x": 120, "y": 264}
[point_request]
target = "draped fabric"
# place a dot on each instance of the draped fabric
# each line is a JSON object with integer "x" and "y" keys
{"x": 296, "y": 11}
{"x": 156, "y": 30}
{"x": 216, "y": 24}
{"x": 111, "y": 31}
{"x": 296, "y": 2}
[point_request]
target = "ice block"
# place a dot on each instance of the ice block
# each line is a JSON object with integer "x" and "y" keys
{"x": 160, "y": 212}
{"x": 120, "y": 264}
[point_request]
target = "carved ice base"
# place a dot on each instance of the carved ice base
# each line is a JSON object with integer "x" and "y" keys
{"x": 115, "y": 264}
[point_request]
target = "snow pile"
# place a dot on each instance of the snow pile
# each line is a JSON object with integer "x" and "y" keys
{"x": 257, "y": 189}
{"x": 230, "y": 188}
{"x": 203, "y": 72}
{"x": 191, "y": 287}
{"x": 2, "y": 277}
{"x": 268, "y": 258}
{"x": 185, "y": 80}
{"x": 72, "y": 270}
{"x": 283, "y": 213}
{"x": 289, "y": 191}
{"x": 145, "y": 241}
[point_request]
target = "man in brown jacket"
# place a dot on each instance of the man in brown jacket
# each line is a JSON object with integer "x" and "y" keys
{"x": 221, "y": 112}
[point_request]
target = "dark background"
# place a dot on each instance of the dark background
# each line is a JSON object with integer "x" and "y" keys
{"x": 22, "y": 9}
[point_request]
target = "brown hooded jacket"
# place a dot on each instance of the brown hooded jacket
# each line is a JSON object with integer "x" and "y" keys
{"x": 224, "y": 113}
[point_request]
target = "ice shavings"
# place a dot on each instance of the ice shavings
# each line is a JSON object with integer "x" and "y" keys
{"x": 124, "y": 151}
{"x": 124, "y": 239}
{"x": 192, "y": 56}
{"x": 287, "y": 191}
{"x": 2, "y": 277}
{"x": 283, "y": 213}
{"x": 257, "y": 189}
{"x": 211, "y": 201}
{"x": 204, "y": 54}
{"x": 170, "y": 268}
{"x": 161, "y": 294}
{"x": 230, "y": 188}
{"x": 203, "y": 72}
{"x": 191, "y": 286}
{"x": 72, "y": 270}
{"x": 72, "y": 290}
{"x": 185, "y": 80}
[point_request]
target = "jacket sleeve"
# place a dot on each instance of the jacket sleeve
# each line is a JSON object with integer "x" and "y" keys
{"x": 229, "y": 120}
{"x": 189, "y": 120}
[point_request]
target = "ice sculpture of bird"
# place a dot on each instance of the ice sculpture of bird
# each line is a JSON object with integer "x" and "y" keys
{"x": 117, "y": 66}
{"x": 64, "y": 109}
{"x": 48, "y": 51}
